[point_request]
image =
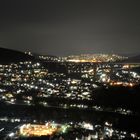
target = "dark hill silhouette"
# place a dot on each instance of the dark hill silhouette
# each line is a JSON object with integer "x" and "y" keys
{"x": 11, "y": 56}
{"x": 133, "y": 59}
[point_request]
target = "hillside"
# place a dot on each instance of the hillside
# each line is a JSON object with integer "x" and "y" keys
{"x": 10, "y": 56}
{"x": 133, "y": 59}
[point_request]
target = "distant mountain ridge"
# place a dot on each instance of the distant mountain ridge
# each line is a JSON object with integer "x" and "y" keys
{"x": 134, "y": 59}
{"x": 12, "y": 56}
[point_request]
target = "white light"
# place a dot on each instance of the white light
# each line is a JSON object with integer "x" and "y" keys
{"x": 12, "y": 100}
{"x": 11, "y": 134}
{"x": 1, "y": 129}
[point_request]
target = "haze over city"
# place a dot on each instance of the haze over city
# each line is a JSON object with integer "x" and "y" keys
{"x": 70, "y": 27}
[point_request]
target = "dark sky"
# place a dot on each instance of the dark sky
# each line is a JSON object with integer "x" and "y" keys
{"x": 63, "y": 27}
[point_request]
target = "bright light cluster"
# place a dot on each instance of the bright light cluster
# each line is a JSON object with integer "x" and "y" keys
{"x": 49, "y": 128}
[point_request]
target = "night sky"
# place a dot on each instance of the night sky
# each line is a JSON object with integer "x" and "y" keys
{"x": 64, "y": 27}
